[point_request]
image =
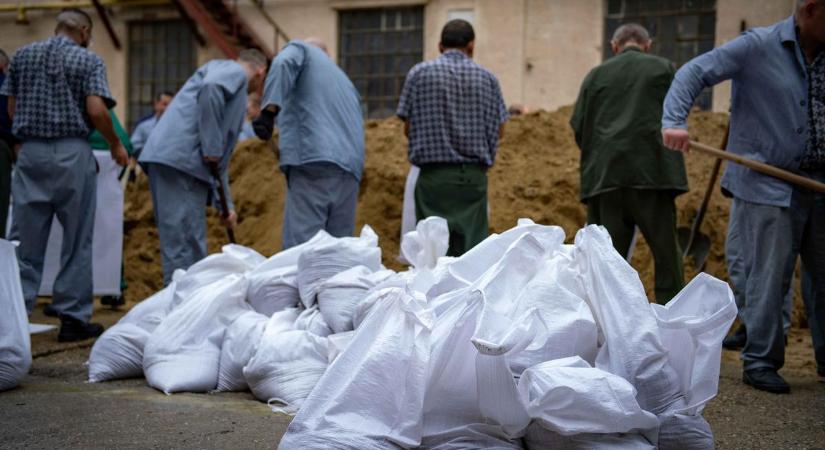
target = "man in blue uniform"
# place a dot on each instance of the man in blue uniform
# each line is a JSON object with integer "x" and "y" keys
{"x": 53, "y": 86}
{"x": 142, "y": 130}
{"x": 200, "y": 127}
{"x": 321, "y": 140}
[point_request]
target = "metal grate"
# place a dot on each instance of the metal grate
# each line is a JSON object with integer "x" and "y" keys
{"x": 162, "y": 56}
{"x": 681, "y": 29}
{"x": 377, "y": 47}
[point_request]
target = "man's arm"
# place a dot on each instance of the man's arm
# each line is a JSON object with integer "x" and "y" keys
{"x": 211, "y": 104}
{"x": 580, "y": 109}
{"x": 280, "y": 82}
{"x": 99, "y": 115}
{"x": 704, "y": 71}
{"x": 11, "y": 107}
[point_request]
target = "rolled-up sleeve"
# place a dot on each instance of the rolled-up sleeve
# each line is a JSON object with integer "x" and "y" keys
{"x": 704, "y": 71}
{"x": 211, "y": 103}
{"x": 97, "y": 84}
{"x": 405, "y": 102}
{"x": 282, "y": 76}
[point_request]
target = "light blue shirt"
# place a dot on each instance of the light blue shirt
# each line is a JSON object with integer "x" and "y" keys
{"x": 141, "y": 133}
{"x": 769, "y": 106}
{"x": 320, "y": 118}
{"x": 247, "y": 132}
{"x": 204, "y": 119}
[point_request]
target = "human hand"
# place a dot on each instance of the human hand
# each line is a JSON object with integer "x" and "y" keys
{"x": 119, "y": 154}
{"x": 230, "y": 221}
{"x": 211, "y": 159}
{"x": 676, "y": 139}
{"x": 264, "y": 125}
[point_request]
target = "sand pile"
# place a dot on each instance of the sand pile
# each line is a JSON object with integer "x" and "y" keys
{"x": 536, "y": 175}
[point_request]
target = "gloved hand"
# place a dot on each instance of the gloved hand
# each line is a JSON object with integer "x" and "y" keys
{"x": 264, "y": 124}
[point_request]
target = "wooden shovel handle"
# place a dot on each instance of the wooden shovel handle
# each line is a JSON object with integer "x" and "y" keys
{"x": 761, "y": 167}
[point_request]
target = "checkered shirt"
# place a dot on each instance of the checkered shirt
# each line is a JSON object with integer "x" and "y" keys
{"x": 50, "y": 81}
{"x": 815, "y": 154}
{"x": 454, "y": 108}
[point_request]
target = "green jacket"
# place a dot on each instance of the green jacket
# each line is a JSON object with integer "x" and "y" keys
{"x": 617, "y": 122}
{"x": 99, "y": 143}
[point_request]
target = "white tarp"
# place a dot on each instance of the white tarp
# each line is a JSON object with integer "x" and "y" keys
{"x": 15, "y": 344}
{"x": 107, "y": 243}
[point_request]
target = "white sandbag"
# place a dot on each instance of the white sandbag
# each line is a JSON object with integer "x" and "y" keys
{"x": 273, "y": 290}
{"x": 684, "y": 432}
{"x": 569, "y": 397}
{"x": 286, "y": 366}
{"x": 408, "y": 209}
{"x": 311, "y": 320}
{"x": 452, "y": 418}
{"x": 372, "y": 396}
{"x": 321, "y": 262}
{"x": 249, "y": 256}
{"x": 205, "y": 272}
{"x": 238, "y": 346}
{"x": 340, "y": 295}
{"x": 15, "y": 343}
{"x": 337, "y": 343}
{"x": 429, "y": 241}
{"x": 632, "y": 347}
{"x": 539, "y": 438}
{"x": 118, "y": 352}
{"x": 183, "y": 354}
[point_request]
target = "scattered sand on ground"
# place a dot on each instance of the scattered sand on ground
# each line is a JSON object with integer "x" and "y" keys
{"x": 536, "y": 175}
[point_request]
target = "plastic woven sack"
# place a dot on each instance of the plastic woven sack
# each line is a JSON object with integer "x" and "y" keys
{"x": 429, "y": 241}
{"x": 205, "y": 272}
{"x": 183, "y": 354}
{"x": 311, "y": 320}
{"x": 237, "y": 349}
{"x": 339, "y": 296}
{"x": 371, "y": 397}
{"x": 15, "y": 344}
{"x": 118, "y": 353}
{"x": 273, "y": 290}
{"x": 249, "y": 256}
{"x": 323, "y": 261}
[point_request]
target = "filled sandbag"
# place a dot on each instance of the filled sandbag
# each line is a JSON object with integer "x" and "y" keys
{"x": 574, "y": 405}
{"x": 205, "y": 272}
{"x": 183, "y": 354}
{"x": 372, "y": 395}
{"x": 238, "y": 346}
{"x": 340, "y": 295}
{"x": 15, "y": 344}
{"x": 118, "y": 352}
{"x": 430, "y": 240}
{"x": 321, "y": 262}
{"x": 273, "y": 290}
{"x": 311, "y": 320}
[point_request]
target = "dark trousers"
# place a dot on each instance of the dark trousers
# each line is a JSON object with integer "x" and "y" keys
{"x": 654, "y": 212}
{"x": 5, "y": 185}
{"x": 458, "y": 193}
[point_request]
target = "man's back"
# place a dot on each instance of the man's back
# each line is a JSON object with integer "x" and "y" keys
{"x": 455, "y": 110}
{"x": 321, "y": 118}
{"x": 617, "y": 121}
{"x": 50, "y": 81}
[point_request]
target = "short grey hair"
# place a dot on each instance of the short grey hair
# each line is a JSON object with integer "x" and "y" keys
{"x": 631, "y": 32}
{"x": 253, "y": 57}
{"x": 73, "y": 19}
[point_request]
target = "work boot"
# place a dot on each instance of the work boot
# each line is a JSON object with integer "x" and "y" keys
{"x": 112, "y": 301}
{"x": 766, "y": 379}
{"x": 737, "y": 340}
{"x": 49, "y": 311}
{"x": 72, "y": 330}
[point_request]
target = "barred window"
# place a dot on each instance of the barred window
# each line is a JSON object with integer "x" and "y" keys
{"x": 162, "y": 57}
{"x": 681, "y": 29}
{"x": 377, "y": 47}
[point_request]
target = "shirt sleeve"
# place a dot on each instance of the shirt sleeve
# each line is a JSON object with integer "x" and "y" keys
{"x": 9, "y": 86}
{"x": 283, "y": 75}
{"x": 580, "y": 108}
{"x": 407, "y": 98}
{"x": 211, "y": 103}
{"x": 704, "y": 71}
{"x": 97, "y": 84}
{"x": 501, "y": 107}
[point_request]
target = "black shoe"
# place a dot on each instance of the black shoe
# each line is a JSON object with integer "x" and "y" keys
{"x": 737, "y": 340}
{"x": 72, "y": 330}
{"x": 112, "y": 301}
{"x": 49, "y": 311}
{"x": 766, "y": 379}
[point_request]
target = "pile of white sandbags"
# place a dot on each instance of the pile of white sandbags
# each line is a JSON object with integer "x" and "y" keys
{"x": 523, "y": 342}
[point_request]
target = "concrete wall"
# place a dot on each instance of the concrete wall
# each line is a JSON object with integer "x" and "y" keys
{"x": 539, "y": 49}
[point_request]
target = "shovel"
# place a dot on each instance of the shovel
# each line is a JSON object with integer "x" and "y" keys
{"x": 693, "y": 242}
{"x": 213, "y": 166}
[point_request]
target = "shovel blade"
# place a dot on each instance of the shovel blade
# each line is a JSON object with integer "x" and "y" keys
{"x": 699, "y": 248}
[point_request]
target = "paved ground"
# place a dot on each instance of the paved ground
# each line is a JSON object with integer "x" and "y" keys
{"x": 56, "y": 408}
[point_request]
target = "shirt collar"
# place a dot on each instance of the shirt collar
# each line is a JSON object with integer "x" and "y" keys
{"x": 630, "y": 48}
{"x": 787, "y": 30}
{"x": 454, "y": 54}
{"x": 64, "y": 39}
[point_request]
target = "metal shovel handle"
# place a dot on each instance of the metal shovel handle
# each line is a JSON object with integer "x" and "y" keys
{"x": 761, "y": 167}
{"x": 222, "y": 198}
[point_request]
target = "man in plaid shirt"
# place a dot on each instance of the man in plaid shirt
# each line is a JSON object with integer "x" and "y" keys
{"x": 58, "y": 93}
{"x": 454, "y": 115}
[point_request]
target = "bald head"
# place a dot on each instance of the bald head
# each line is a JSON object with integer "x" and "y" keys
{"x": 317, "y": 42}
{"x": 75, "y": 24}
